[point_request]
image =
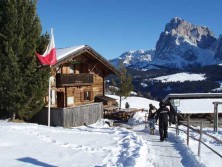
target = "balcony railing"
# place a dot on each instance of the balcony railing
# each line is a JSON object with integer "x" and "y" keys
{"x": 73, "y": 79}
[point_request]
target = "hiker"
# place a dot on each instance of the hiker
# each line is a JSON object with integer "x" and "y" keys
{"x": 151, "y": 118}
{"x": 163, "y": 114}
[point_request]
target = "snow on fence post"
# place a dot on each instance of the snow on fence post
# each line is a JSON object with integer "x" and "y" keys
{"x": 200, "y": 139}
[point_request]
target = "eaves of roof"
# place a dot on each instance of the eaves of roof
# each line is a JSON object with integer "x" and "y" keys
{"x": 66, "y": 54}
{"x": 192, "y": 96}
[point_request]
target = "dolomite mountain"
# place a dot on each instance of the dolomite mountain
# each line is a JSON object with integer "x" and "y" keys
{"x": 218, "y": 48}
{"x": 181, "y": 45}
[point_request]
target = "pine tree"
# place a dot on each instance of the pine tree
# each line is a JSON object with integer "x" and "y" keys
{"x": 23, "y": 84}
{"x": 125, "y": 83}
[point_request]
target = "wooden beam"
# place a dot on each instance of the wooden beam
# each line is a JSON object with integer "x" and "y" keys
{"x": 66, "y": 105}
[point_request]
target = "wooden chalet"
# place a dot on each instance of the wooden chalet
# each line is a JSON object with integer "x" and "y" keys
{"x": 78, "y": 93}
{"x": 79, "y": 76}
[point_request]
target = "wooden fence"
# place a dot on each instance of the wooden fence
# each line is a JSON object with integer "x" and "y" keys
{"x": 200, "y": 132}
{"x": 71, "y": 117}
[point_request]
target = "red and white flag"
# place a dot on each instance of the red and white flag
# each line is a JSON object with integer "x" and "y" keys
{"x": 49, "y": 57}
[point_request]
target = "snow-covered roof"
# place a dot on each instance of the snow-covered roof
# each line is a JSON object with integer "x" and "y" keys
{"x": 192, "y": 96}
{"x": 196, "y": 102}
{"x": 194, "y": 106}
{"x": 64, "y": 52}
{"x": 186, "y": 106}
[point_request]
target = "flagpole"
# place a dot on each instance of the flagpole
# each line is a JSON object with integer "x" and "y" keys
{"x": 49, "y": 58}
{"x": 49, "y": 99}
{"x": 49, "y": 96}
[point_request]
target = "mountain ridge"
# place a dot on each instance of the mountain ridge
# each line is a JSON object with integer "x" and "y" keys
{"x": 181, "y": 45}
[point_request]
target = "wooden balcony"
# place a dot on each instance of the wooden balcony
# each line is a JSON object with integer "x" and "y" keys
{"x": 73, "y": 79}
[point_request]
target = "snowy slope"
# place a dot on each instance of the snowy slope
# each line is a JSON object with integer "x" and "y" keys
{"x": 26, "y": 145}
{"x": 97, "y": 145}
{"x": 181, "y": 77}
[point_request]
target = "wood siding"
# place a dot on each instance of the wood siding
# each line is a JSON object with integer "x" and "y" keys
{"x": 74, "y": 92}
{"x": 71, "y": 117}
{"x": 79, "y": 80}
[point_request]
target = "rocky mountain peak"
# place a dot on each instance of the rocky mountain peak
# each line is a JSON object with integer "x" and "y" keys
{"x": 174, "y": 24}
{"x": 181, "y": 45}
{"x": 197, "y": 35}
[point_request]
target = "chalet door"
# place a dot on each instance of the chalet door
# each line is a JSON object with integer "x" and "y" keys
{"x": 85, "y": 68}
{"x": 60, "y": 99}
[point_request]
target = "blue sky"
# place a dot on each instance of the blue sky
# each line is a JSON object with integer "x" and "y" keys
{"x": 112, "y": 27}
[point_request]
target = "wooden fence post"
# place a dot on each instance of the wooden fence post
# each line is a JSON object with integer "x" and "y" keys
{"x": 146, "y": 121}
{"x": 215, "y": 116}
{"x": 200, "y": 139}
{"x": 177, "y": 128}
{"x": 188, "y": 131}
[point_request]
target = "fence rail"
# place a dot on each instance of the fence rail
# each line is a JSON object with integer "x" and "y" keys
{"x": 201, "y": 132}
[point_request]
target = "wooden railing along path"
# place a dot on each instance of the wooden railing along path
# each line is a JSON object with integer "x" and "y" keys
{"x": 200, "y": 132}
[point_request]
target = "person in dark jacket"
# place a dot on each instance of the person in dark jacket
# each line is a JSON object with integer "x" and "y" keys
{"x": 163, "y": 115}
{"x": 151, "y": 118}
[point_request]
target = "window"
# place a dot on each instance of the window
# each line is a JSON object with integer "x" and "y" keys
{"x": 87, "y": 95}
{"x": 71, "y": 68}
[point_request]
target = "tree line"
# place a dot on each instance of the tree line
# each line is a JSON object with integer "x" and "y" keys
{"x": 23, "y": 82}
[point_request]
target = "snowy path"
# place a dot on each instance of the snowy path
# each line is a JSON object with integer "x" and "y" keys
{"x": 98, "y": 145}
{"x": 168, "y": 153}
{"x": 164, "y": 153}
